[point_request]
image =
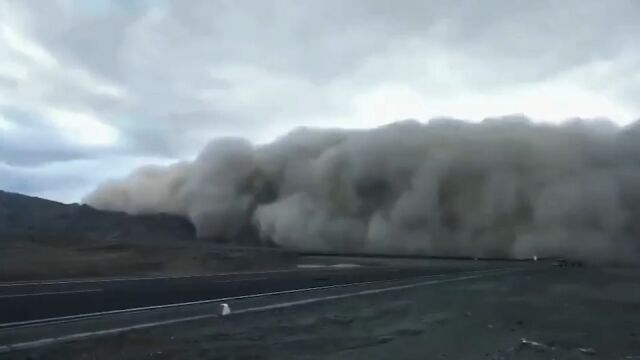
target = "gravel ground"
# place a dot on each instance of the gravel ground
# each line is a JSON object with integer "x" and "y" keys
{"x": 582, "y": 313}
{"x": 29, "y": 261}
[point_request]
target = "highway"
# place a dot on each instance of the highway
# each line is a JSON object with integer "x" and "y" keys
{"x": 25, "y": 303}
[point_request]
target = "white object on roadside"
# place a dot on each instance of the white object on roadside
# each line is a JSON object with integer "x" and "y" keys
{"x": 535, "y": 257}
{"x": 224, "y": 309}
{"x": 588, "y": 351}
{"x": 537, "y": 346}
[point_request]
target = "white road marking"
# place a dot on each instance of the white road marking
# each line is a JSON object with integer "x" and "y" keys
{"x": 238, "y": 280}
{"x": 87, "y": 335}
{"x": 50, "y": 293}
{"x": 90, "y": 281}
{"x": 311, "y": 266}
{"x": 323, "y": 266}
{"x": 360, "y": 293}
{"x": 199, "y": 302}
{"x": 80, "y": 336}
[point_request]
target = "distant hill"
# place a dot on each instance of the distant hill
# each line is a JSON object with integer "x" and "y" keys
{"x": 43, "y": 239}
{"x": 44, "y": 221}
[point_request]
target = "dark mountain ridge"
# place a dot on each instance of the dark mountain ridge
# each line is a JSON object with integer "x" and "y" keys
{"x": 26, "y": 218}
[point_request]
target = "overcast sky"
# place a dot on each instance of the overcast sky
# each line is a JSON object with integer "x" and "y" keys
{"x": 90, "y": 89}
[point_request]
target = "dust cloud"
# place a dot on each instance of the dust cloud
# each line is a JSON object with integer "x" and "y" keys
{"x": 505, "y": 187}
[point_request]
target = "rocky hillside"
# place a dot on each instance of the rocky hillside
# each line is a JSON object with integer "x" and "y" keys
{"x": 44, "y": 221}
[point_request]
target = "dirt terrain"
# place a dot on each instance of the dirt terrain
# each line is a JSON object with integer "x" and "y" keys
{"x": 42, "y": 239}
{"x": 29, "y": 261}
{"x": 542, "y": 313}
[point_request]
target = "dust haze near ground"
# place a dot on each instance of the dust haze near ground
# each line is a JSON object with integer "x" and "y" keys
{"x": 506, "y": 187}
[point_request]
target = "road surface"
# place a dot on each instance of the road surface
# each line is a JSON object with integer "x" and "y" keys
{"x": 23, "y": 303}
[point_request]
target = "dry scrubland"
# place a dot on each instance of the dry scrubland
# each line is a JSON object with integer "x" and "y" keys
{"x": 41, "y": 239}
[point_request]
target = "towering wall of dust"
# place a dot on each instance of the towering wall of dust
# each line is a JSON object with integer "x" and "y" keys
{"x": 505, "y": 187}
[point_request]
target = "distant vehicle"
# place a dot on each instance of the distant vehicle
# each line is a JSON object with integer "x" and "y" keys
{"x": 568, "y": 263}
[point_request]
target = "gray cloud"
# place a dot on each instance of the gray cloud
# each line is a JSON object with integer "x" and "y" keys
{"x": 166, "y": 76}
{"x": 33, "y": 141}
{"x": 67, "y": 180}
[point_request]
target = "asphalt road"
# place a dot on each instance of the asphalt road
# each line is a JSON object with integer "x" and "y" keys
{"x": 527, "y": 312}
{"x": 37, "y": 301}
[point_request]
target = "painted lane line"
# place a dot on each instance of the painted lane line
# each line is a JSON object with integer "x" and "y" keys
{"x": 63, "y": 319}
{"x": 82, "y": 281}
{"x": 78, "y": 317}
{"x": 238, "y": 280}
{"x": 176, "y": 277}
{"x": 365, "y": 292}
{"x": 330, "y": 266}
{"x": 80, "y": 291}
{"x": 50, "y": 293}
{"x": 87, "y": 335}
